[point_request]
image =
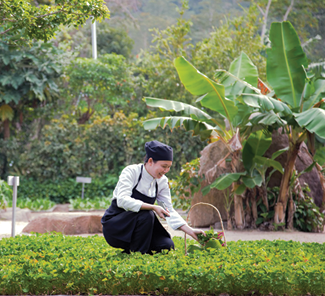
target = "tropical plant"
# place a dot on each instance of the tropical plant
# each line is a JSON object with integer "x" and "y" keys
{"x": 302, "y": 91}
{"x": 297, "y": 106}
{"x": 233, "y": 102}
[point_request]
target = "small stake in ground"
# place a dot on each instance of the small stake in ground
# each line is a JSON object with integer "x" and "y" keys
{"x": 14, "y": 182}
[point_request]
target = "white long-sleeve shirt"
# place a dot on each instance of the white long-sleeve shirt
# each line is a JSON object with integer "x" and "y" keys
{"x": 147, "y": 186}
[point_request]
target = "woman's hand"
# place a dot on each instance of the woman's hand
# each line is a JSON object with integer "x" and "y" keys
{"x": 161, "y": 212}
{"x": 193, "y": 232}
{"x": 158, "y": 209}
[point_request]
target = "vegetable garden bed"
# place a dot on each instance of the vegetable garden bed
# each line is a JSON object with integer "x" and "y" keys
{"x": 57, "y": 264}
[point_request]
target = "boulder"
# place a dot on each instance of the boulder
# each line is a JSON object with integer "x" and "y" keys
{"x": 202, "y": 215}
{"x": 66, "y": 224}
{"x": 304, "y": 159}
{"x": 22, "y": 215}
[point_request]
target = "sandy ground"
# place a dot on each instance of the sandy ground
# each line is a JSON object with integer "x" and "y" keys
{"x": 233, "y": 235}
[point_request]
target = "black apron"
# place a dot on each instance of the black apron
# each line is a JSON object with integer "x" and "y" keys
{"x": 119, "y": 224}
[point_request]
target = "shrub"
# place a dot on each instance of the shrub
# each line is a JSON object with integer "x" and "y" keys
{"x": 5, "y": 194}
{"x": 58, "y": 264}
{"x": 307, "y": 216}
{"x": 186, "y": 184}
{"x": 61, "y": 191}
{"x": 101, "y": 148}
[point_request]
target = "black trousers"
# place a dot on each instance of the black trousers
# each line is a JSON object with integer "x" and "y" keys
{"x": 148, "y": 235}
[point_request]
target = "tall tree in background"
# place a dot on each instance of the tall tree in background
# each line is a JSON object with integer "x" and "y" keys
{"x": 21, "y": 21}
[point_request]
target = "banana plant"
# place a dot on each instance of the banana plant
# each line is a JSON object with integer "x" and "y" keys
{"x": 235, "y": 100}
{"x": 302, "y": 91}
{"x": 255, "y": 170}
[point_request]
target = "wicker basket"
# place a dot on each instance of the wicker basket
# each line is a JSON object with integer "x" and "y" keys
{"x": 206, "y": 204}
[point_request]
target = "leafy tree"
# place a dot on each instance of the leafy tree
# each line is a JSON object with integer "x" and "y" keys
{"x": 42, "y": 21}
{"x": 27, "y": 78}
{"x": 111, "y": 40}
{"x": 98, "y": 85}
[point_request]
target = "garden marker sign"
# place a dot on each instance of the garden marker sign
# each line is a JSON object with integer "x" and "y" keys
{"x": 14, "y": 182}
{"x": 83, "y": 180}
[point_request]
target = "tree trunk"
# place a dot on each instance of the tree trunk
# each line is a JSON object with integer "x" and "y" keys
{"x": 239, "y": 212}
{"x": 291, "y": 211}
{"x": 248, "y": 212}
{"x": 281, "y": 205}
{"x": 238, "y": 199}
{"x": 229, "y": 223}
{"x": 254, "y": 208}
{"x": 263, "y": 193}
{"x": 6, "y": 129}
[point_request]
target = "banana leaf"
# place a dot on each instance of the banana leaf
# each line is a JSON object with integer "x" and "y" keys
{"x": 252, "y": 181}
{"x": 317, "y": 94}
{"x": 177, "y": 106}
{"x": 242, "y": 77}
{"x": 313, "y": 120}
{"x": 243, "y": 68}
{"x": 266, "y": 119}
{"x": 285, "y": 61}
{"x": 224, "y": 181}
{"x": 200, "y": 128}
{"x": 267, "y": 162}
{"x": 212, "y": 94}
{"x": 256, "y": 145}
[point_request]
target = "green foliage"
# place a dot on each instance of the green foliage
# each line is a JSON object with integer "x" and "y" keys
{"x": 99, "y": 85}
{"x": 90, "y": 204}
{"x": 5, "y": 194}
{"x": 57, "y": 264}
{"x": 98, "y": 149}
{"x": 227, "y": 41}
{"x": 38, "y": 204}
{"x": 29, "y": 73}
{"x": 307, "y": 216}
{"x": 32, "y": 192}
{"x": 41, "y": 22}
{"x": 186, "y": 184}
{"x": 113, "y": 40}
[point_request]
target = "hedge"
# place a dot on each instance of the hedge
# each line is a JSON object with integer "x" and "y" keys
{"x": 58, "y": 264}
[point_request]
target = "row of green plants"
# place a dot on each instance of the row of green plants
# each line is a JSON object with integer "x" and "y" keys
{"x": 90, "y": 204}
{"x": 58, "y": 264}
{"x": 61, "y": 191}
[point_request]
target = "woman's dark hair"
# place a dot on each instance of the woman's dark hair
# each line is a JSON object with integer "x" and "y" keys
{"x": 146, "y": 158}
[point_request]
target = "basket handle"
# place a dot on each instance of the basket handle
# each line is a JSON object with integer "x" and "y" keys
{"x": 207, "y": 204}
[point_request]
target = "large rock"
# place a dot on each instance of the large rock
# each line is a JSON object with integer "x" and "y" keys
{"x": 203, "y": 215}
{"x": 304, "y": 159}
{"x": 22, "y": 215}
{"x": 67, "y": 224}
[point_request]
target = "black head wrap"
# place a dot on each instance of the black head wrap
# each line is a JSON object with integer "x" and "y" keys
{"x": 158, "y": 151}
